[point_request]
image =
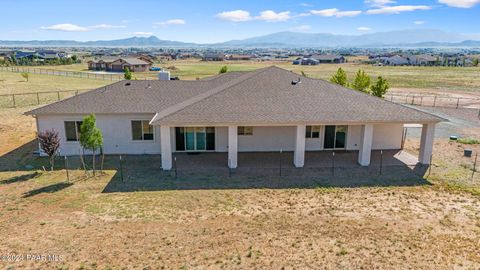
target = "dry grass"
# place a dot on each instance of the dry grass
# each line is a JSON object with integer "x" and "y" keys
{"x": 13, "y": 83}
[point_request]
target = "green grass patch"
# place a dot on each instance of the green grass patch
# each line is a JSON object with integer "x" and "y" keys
{"x": 468, "y": 141}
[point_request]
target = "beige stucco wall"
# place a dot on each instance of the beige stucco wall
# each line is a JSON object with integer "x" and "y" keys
{"x": 116, "y": 129}
{"x": 117, "y": 135}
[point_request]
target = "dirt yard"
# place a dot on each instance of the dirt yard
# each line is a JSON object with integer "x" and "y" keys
{"x": 84, "y": 224}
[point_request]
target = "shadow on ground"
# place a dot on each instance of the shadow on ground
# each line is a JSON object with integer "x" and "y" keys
{"x": 47, "y": 189}
{"x": 19, "y": 178}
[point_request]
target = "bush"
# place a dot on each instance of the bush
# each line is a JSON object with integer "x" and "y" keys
{"x": 468, "y": 141}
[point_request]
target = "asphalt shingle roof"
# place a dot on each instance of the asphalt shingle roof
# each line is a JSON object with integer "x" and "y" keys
{"x": 264, "y": 96}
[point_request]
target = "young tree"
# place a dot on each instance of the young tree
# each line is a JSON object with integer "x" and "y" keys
{"x": 475, "y": 62}
{"x": 379, "y": 89}
{"x": 90, "y": 136}
{"x": 49, "y": 142}
{"x": 223, "y": 69}
{"x": 340, "y": 77}
{"x": 127, "y": 75}
{"x": 361, "y": 82}
{"x": 25, "y": 75}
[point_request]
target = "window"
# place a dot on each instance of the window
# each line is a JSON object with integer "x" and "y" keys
{"x": 312, "y": 132}
{"x": 142, "y": 130}
{"x": 335, "y": 137}
{"x": 72, "y": 130}
{"x": 194, "y": 138}
{"x": 244, "y": 131}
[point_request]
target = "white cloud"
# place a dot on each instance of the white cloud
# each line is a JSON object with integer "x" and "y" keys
{"x": 418, "y": 22}
{"x": 396, "y": 9}
{"x": 106, "y": 26}
{"x": 363, "y": 28}
{"x": 334, "y": 12}
{"x": 142, "y": 33}
{"x": 272, "y": 16}
{"x": 304, "y": 27}
{"x": 171, "y": 22}
{"x": 379, "y": 3}
{"x": 460, "y": 3}
{"x": 235, "y": 16}
{"x": 306, "y": 5}
{"x": 65, "y": 27}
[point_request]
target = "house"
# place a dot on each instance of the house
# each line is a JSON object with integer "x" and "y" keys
{"x": 269, "y": 109}
{"x": 213, "y": 57}
{"x": 239, "y": 57}
{"x": 395, "y": 60}
{"x": 329, "y": 59}
{"x": 424, "y": 60}
{"x": 306, "y": 62}
{"x": 118, "y": 64}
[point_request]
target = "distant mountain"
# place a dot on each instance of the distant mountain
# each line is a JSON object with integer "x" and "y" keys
{"x": 151, "y": 41}
{"x": 295, "y": 39}
{"x": 404, "y": 38}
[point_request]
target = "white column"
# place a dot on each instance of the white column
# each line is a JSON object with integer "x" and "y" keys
{"x": 299, "y": 152}
{"x": 426, "y": 143}
{"x": 166, "y": 145}
{"x": 365, "y": 149}
{"x": 232, "y": 146}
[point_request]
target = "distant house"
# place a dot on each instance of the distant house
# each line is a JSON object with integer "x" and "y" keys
{"x": 395, "y": 60}
{"x": 239, "y": 57}
{"x": 306, "y": 62}
{"x": 213, "y": 57}
{"x": 424, "y": 60}
{"x": 42, "y": 54}
{"x": 329, "y": 59}
{"x": 119, "y": 64}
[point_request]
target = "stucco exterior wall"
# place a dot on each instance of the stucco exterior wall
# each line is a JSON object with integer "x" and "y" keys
{"x": 116, "y": 129}
{"x": 117, "y": 136}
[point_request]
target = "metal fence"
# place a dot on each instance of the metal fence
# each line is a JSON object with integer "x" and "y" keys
{"x": 434, "y": 100}
{"x": 30, "y": 99}
{"x": 73, "y": 74}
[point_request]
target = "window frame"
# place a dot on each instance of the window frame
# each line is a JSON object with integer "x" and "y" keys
{"x": 142, "y": 131}
{"x": 241, "y": 131}
{"x": 78, "y": 124}
{"x": 310, "y": 130}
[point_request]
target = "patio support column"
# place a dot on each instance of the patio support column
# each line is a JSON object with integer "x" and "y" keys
{"x": 299, "y": 153}
{"x": 426, "y": 143}
{"x": 365, "y": 150}
{"x": 232, "y": 146}
{"x": 166, "y": 145}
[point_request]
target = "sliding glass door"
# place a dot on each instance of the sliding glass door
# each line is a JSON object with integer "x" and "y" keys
{"x": 195, "y": 138}
{"x": 335, "y": 137}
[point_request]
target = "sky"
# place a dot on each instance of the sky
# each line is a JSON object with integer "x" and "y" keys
{"x": 208, "y": 21}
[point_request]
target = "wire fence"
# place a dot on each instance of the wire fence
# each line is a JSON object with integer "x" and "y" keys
{"x": 37, "y": 98}
{"x": 434, "y": 100}
{"x": 73, "y": 74}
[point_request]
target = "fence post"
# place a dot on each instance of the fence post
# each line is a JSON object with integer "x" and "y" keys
{"x": 413, "y": 100}
{"x": 175, "y": 165}
{"x": 474, "y": 166}
{"x": 66, "y": 168}
{"x": 381, "y": 161}
{"x": 58, "y": 95}
{"x": 434, "y": 100}
{"x": 421, "y": 100}
{"x": 121, "y": 167}
{"x": 458, "y": 101}
{"x": 13, "y": 98}
{"x": 333, "y": 163}
{"x": 38, "y": 98}
{"x": 280, "y": 167}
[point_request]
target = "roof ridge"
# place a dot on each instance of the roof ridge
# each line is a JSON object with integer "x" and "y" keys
{"x": 182, "y": 105}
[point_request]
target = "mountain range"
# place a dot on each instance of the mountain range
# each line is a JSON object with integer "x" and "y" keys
{"x": 403, "y": 38}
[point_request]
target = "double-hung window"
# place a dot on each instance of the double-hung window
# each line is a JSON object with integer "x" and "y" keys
{"x": 312, "y": 132}
{"x": 72, "y": 130}
{"x": 142, "y": 130}
{"x": 245, "y": 131}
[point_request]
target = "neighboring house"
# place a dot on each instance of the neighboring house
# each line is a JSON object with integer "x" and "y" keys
{"x": 329, "y": 59}
{"x": 118, "y": 64}
{"x": 213, "y": 57}
{"x": 424, "y": 60}
{"x": 306, "y": 62}
{"x": 269, "y": 109}
{"x": 239, "y": 57}
{"x": 42, "y": 54}
{"x": 395, "y": 60}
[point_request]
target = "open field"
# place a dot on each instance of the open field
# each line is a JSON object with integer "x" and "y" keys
{"x": 433, "y": 78}
{"x": 12, "y": 83}
{"x": 92, "y": 224}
